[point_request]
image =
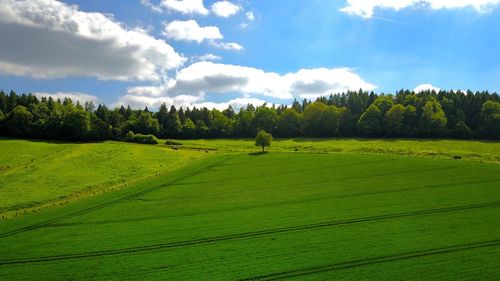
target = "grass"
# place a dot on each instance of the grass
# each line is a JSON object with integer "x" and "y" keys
{"x": 304, "y": 216}
{"x": 37, "y": 174}
{"x": 474, "y": 150}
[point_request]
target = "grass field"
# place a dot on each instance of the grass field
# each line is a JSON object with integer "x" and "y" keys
{"x": 303, "y": 216}
{"x": 36, "y": 174}
{"x": 464, "y": 149}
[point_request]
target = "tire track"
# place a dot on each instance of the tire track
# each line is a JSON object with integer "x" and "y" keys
{"x": 109, "y": 203}
{"x": 209, "y": 240}
{"x": 315, "y": 199}
{"x": 376, "y": 260}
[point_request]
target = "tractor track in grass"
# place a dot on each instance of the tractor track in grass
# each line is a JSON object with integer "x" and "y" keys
{"x": 110, "y": 203}
{"x": 315, "y": 199}
{"x": 375, "y": 260}
{"x": 209, "y": 240}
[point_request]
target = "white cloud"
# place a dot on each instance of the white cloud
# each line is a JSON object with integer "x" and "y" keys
{"x": 50, "y": 39}
{"x": 193, "y": 83}
{"x": 225, "y": 9}
{"x": 185, "y": 101}
{"x": 206, "y": 57}
{"x": 150, "y": 91}
{"x": 190, "y": 31}
{"x": 312, "y": 83}
{"x": 366, "y": 8}
{"x": 231, "y": 46}
{"x": 212, "y": 77}
{"x": 215, "y": 78}
{"x": 250, "y": 16}
{"x": 154, "y": 8}
{"x": 236, "y": 104}
{"x": 426, "y": 87}
{"x": 185, "y": 6}
{"x": 138, "y": 101}
{"x": 74, "y": 96}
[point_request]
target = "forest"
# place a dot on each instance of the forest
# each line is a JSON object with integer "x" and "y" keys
{"x": 428, "y": 114}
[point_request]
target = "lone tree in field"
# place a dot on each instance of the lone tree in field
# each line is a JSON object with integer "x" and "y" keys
{"x": 263, "y": 139}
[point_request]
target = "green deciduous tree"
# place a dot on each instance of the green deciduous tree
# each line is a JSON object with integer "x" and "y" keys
{"x": 370, "y": 122}
{"x": 330, "y": 121}
{"x": 433, "y": 120}
{"x": 313, "y": 118}
{"x": 348, "y": 122}
{"x": 19, "y": 121}
{"x": 189, "y": 128}
{"x": 263, "y": 139}
{"x": 384, "y": 103}
{"x": 202, "y": 129}
{"x": 394, "y": 120}
{"x": 75, "y": 122}
{"x": 447, "y": 113}
{"x": 288, "y": 124}
{"x": 265, "y": 119}
{"x": 244, "y": 126}
{"x": 491, "y": 115}
{"x": 221, "y": 125}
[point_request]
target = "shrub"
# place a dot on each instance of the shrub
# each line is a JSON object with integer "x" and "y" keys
{"x": 145, "y": 139}
{"x": 140, "y": 138}
{"x": 130, "y": 136}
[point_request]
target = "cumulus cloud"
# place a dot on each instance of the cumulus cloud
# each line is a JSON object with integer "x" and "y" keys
{"x": 195, "y": 81}
{"x": 224, "y": 78}
{"x": 225, "y": 9}
{"x": 50, "y": 39}
{"x": 366, "y": 9}
{"x": 190, "y": 31}
{"x": 311, "y": 83}
{"x": 426, "y": 87}
{"x": 74, "y": 96}
{"x": 185, "y": 6}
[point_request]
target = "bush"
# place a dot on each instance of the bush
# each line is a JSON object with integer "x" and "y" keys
{"x": 130, "y": 136}
{"x": 145, "y": 139}
{"x": 172, "y": 142}
{"x": 140, "y": 138}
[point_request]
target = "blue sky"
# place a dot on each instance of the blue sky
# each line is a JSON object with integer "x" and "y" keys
{"x": 187, "y": 52}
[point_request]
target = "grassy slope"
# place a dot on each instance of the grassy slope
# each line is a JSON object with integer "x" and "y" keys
{"x": 468, "y": 150}
{"x": 311, "y": 215}
{"x": 34, "y": 173}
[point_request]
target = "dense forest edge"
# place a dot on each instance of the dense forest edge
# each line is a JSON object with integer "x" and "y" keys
{"x": 428, "y": 114}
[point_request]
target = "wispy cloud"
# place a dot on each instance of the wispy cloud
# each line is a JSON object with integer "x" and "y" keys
{"x": 366, "y": 9}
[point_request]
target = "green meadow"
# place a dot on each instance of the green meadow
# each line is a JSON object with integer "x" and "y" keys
{"x": 37, "y": 174}
{"x": 214, "y": 210}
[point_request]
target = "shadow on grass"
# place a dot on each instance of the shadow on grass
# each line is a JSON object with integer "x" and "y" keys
{"x": 258, "y": 153}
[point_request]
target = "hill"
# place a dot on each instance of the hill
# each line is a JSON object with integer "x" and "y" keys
{"x": 240, "y": 216}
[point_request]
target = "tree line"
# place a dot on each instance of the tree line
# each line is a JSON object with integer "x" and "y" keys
{"x": 450, "y": 114}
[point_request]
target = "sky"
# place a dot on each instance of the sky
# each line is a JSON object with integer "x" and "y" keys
{"x": 233, "y": 52}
